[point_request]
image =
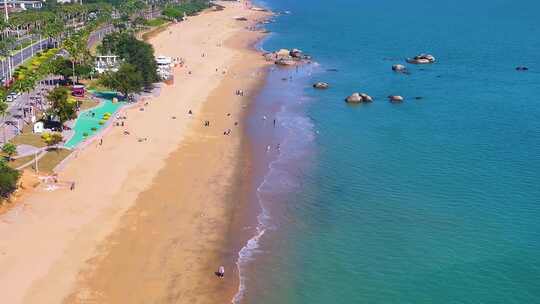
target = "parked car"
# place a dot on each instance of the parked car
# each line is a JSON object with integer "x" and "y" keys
{"x": 12, "y": 97}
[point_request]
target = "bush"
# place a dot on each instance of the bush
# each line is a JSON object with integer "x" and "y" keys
{"x": 85, "y": 134}
{"x": 101, "y": 122}
{"x": 94, "y": 129}
{"x": 9, "y": 178}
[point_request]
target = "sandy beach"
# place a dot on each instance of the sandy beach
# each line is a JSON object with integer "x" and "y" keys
{"x": 150, "y": 215}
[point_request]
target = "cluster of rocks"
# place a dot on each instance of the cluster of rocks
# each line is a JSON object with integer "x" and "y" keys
{"x": 286, "y": 57}
{"x": 422, "y": 59}
{"x": 356, "y": 98}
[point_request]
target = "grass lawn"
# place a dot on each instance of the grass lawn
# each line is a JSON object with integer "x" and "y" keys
{"x": 146, "y": 35}
{"x": 93, "y": 85}
{"x": 20, "y": 161}
{"x": 51, "y": 160}
{"x": 88, "y": 104}
{"x": 27, "y": 137}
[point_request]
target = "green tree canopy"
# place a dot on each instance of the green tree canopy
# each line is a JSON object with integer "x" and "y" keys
{"x": 126, "y": 80}
{"x": 133, "y": 51}
{"x": 9, "y": 178}
{"x": 9, "y": 149}
{"x": 52, "y": 138}
{"x": 63, "y": 106}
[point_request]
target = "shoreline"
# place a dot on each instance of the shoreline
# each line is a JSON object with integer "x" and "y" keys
{"x": 82, "y": 231}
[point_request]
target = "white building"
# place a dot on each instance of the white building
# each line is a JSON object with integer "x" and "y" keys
{"x": 164, "y": 67}
{"x": 105, "y": 63}
{"x": 17, "y": 5}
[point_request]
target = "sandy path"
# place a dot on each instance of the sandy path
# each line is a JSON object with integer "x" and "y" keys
{"x": 57, "y": 242}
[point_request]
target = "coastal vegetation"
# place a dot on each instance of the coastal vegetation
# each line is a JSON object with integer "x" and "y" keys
{"x": 9, "y": 178}
{"x": 138, "y": 69}
{"x": 177, "y": 11}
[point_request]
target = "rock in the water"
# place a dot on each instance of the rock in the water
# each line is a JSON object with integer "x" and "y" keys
{"x": 296, "y": 53}
{"x": 282, "y": 53}
{"x": 284, "y": 57}
{"x": 354, "y": 98}
{"x": 321, "y": 85}
{"x": 422, "y": 59}
{"x": 418, "y": 97}
{"x": 358, "y": 98}
{"x": 522, "y": 68}
{"x": 366, "y": 97}
{"x": 395, "y": 98}
{"x": 399, "y": 68}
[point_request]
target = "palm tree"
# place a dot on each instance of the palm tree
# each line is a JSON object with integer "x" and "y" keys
{"x": 76, "y": 45}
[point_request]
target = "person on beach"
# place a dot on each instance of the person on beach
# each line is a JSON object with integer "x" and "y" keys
{"x": 72, "y": 187}
{"x": 101, "y": 141}
{"x": 221, "y": 272}
{"x": 190, "y": 113}
{"x": 274, "y": 123}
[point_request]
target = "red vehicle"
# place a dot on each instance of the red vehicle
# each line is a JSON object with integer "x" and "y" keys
{"x": 78, "y": 91}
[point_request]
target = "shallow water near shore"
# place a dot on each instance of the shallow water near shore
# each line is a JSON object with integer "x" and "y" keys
{"x": 432, "y": 200}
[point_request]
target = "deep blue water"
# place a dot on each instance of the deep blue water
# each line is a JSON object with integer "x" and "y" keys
{"x": 434, "y": 200}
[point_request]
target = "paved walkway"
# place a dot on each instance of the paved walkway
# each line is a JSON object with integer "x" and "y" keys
{"x": 25, "y": 150}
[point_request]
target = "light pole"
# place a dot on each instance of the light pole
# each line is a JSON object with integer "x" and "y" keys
{"x": 6, "y": 11}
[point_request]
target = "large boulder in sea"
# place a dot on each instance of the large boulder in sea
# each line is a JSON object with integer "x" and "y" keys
{"x": 356, "y": 98}
{"x": 366, "y": 97}
{"x": 422, "y": 59}
{"x": 395, "y": 98}
{"x": 321, "y": 85}
{"x": 283, "y": 53}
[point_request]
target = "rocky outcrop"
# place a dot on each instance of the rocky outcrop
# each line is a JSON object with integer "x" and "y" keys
{"x": 286, "y": 57}
{"x": 356, "y": 98}
{"x": 321, "y": 85}
{"x": 395, "y": 98}
{"x": 422, "y": 59}
{"x": 285, "y": 62}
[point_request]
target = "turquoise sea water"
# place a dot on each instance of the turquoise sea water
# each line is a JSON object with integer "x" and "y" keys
{"x": 434, "y": 200}
{"x": 86, "y": 121}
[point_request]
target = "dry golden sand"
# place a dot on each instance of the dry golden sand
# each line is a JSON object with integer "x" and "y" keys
{"x": 148, "y": 221}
